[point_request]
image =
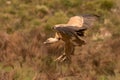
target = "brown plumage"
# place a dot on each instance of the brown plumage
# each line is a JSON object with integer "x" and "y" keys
{"x": 71, "y": 34}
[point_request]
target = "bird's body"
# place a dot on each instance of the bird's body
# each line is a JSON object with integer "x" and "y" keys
{"x": 71, "y": 34}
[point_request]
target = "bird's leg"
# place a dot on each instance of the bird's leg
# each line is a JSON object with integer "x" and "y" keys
{"x": 69, "y": 50}
{"x": 65, "y": 56}
{"x": 61, "y": 58}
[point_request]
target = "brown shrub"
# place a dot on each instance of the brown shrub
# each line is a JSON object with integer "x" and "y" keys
{"x": 89, "y": 62}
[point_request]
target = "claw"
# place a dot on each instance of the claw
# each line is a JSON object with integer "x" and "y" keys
{"x": 61, "y": 58}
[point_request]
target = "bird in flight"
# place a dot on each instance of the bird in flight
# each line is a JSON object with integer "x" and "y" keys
{"x": 71, "y": 34}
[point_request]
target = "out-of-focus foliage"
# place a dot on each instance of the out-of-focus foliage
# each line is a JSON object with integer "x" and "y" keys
{"x": 25, "y": 24}
{"x": 24, "y": 14}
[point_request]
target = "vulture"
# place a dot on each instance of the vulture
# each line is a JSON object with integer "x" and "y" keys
{"x": 71, "y": 34}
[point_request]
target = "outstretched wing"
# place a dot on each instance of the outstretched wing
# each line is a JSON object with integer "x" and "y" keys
{"x": 69, "y": 30}
{"x": 82, "y": 21}
{"x": 89, "y": 20}
{"x": 76, "y": 27}
{"x": 70, "y": 34}
{"x": 79, "y": 22}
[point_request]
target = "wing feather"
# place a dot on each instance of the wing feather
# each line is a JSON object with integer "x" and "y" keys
{"x": 89, "y": 20}
{"x": 71, "y": 34}
{"x": 76, "y": 25}
{"x": 80, "y": 22}
{"x": 65, "y": 30}
{"x": 76, "y": 21}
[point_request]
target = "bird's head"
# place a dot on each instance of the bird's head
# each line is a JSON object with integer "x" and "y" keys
{"x": 51, "y": 40}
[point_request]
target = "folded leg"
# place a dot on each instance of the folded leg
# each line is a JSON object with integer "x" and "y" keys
{"x": 68, "y": 51}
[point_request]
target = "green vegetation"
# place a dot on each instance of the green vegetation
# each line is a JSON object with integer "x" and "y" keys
{"x": 25, "y": 24}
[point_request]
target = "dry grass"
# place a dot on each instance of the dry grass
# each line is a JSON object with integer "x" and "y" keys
{"x": 21, "y": 51}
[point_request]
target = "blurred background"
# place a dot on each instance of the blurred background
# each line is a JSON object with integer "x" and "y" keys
{"x": 25, "y": 24}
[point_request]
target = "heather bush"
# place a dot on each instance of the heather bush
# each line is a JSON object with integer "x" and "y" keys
{"x": 25, "y": 24}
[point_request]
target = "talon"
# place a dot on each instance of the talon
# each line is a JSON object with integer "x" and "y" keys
{"x": 61, "y": 58}
{"x": 64, "y": 58}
